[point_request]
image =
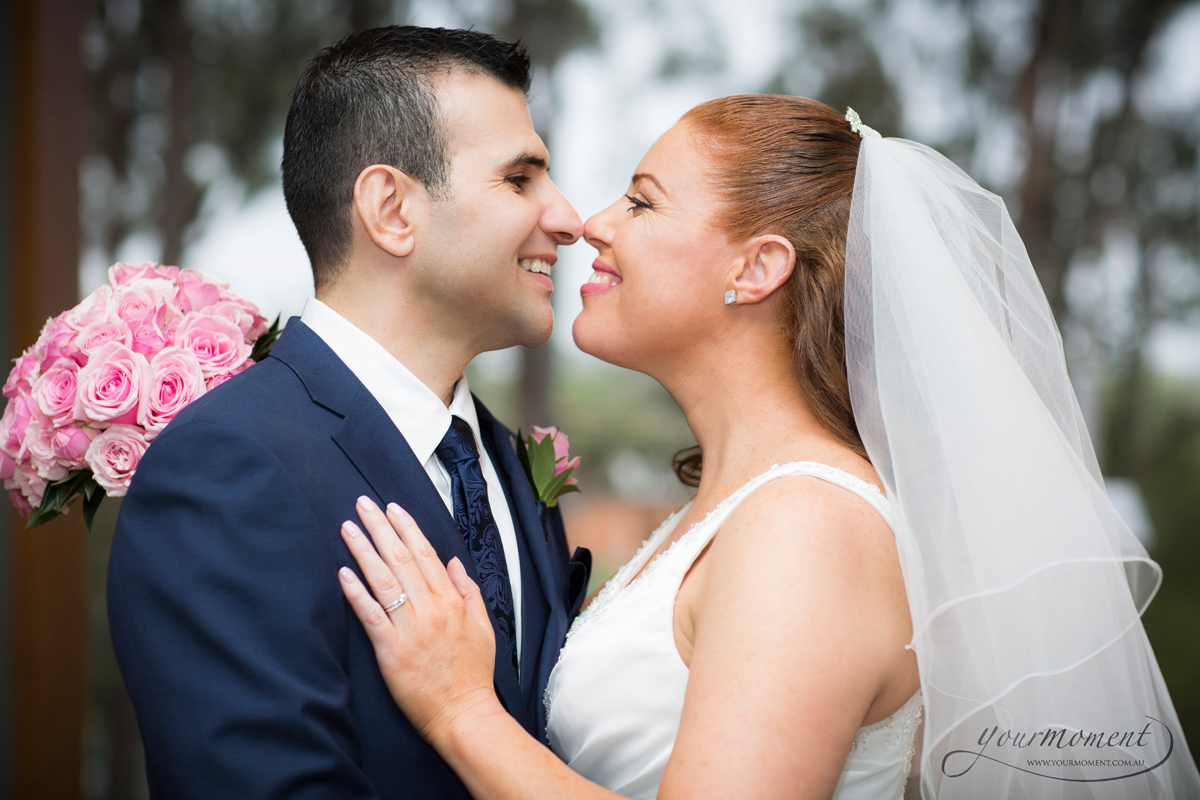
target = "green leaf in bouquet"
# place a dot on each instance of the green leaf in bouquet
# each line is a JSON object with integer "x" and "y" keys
{"x": 264, "y": 343}
{"x": 93, "y": 496}
{"x": 41, "y": 515}
{"x": 58, "y": 497}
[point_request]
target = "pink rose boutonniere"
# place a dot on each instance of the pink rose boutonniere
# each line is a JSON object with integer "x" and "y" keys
{"x": 548, "y": 464}
{"x": 104, "y": 378}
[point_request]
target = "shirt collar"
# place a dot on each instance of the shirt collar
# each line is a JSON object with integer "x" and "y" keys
{"x": 413, "y": 407}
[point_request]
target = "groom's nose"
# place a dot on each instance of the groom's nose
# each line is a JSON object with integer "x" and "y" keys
{"x": 560, "y": 220}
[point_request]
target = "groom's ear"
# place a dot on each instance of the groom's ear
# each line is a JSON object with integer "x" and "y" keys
{"x": 763, "y": 265}
{"x": 388, "y": 202}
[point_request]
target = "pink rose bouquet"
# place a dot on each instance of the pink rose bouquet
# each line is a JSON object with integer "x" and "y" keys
{"x": 105, "y": 377}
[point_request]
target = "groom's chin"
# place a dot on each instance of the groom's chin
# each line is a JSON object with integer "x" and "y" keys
{"x": 535, "y": 333}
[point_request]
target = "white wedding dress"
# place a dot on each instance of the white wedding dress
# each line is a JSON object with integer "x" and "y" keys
{"x": 615, "y": 698}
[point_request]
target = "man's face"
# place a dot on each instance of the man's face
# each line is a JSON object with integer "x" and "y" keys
{"x": 495, "y": 232}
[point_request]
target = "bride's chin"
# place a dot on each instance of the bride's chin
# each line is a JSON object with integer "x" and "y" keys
{"x": 581, "y": 335}
{"x": 592, "y": 339}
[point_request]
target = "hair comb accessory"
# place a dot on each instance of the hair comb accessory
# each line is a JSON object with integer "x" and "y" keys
{"x": 856, "y": 124}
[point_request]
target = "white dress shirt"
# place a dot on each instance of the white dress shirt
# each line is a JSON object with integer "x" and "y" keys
{"x": 422, "y": 419}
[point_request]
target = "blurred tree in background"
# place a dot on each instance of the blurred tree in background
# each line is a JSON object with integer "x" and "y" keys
{"x": 186, "y": 93}
{"x": 1057, "y": 105}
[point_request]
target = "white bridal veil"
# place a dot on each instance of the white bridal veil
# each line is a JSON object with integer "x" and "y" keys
{"x": 1025, "y": 586}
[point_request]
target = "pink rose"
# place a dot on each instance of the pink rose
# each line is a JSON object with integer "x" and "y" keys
{"x": 102, "y": 332}
{"x": 19, "y": 501}
{"x": 92, "y": 308}
{"x": 13, "y": 424}
{"x": 258, "y": 323}
{"x": 196, "y": 291}
{"x": 25, "y": 371}
{"x": 71, "y": 443}
{"x": 30, "y": 484}
{"x": 561, "y": 464}
{"x": 149, "y": 338}
{"x": 8, "y": 466}
{"x": 55, "y": 342}
{"x": 54, "y": 391}
{"x": 133, "y": 304}
{"x": 114, "y": 456}
{"x": 217, "y": 380}
{"x": 39, "y": 442}
{"x": 168, "y": 317}
{"x": 110, "y": 387}
{"x": 177, "y": 381}
{"x": 128, "y": 273}
{"x": 217, "y": 343}
{"x": 238, "y": 315}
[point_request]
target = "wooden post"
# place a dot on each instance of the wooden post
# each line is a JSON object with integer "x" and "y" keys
{"x": 6, "y": 119}
{"x": 45, "y": 119}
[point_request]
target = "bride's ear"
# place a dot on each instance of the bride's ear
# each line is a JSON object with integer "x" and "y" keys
{"x": 767, "y": 262}
{"x": 386, "y": 203}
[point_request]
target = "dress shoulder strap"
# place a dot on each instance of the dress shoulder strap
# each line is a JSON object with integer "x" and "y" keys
{"x": 696, "y": 539}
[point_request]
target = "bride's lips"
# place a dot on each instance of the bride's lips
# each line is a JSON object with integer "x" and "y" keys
{"x": 603, "y": 279}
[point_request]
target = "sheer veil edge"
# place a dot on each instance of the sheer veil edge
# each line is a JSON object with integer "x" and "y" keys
{"x": 1024, "y": 584}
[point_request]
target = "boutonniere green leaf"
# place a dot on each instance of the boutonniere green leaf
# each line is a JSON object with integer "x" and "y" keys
{"x": 548, "y": 464}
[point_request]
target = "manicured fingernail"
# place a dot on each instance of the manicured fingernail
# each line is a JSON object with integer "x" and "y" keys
{"x": 365, "y": 502}
{"x": 350, "y": 529}
{"x": 346, "y": 574}
{"x": 394, "y": 509}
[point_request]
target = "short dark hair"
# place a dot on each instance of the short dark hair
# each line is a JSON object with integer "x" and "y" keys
{"x": 369, "y": 99}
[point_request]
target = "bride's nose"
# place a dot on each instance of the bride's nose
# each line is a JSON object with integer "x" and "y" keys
{"x": 597, "y": 231}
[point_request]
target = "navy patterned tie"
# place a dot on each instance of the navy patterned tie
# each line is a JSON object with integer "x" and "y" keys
{"x": 474, "y": 517}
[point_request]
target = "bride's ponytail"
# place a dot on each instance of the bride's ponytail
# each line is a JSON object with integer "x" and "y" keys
{"x": 786, "y": 165}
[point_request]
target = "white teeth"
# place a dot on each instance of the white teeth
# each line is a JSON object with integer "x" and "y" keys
{"x": 535, "y": 265}
{"x": 604, "y": 278}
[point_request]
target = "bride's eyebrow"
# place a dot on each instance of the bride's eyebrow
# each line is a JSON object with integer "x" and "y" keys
{"x": 638, "y": 176}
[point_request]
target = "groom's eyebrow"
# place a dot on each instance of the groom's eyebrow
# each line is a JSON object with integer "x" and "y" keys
{"x": 525, "y": 160}
{"x": 638, "y": 176}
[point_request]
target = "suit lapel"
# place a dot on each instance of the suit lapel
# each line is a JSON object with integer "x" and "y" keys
{"x": 380, "y": 453}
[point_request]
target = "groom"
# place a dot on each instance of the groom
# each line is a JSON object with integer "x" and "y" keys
{"x": 419, "y": 189}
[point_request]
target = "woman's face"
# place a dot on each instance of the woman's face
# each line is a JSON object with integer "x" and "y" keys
{"x": 663, "y": 265}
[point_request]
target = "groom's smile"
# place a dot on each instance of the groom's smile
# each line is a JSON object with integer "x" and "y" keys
{"x": 495, "y": 231}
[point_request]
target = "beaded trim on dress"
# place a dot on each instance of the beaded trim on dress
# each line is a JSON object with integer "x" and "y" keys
{"x": 901, "y": 729}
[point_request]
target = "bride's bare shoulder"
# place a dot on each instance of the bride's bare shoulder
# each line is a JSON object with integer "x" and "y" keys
{"x": 809, "y": 514}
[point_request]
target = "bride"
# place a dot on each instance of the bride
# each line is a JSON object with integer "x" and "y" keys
{"x": 897, "y": 511}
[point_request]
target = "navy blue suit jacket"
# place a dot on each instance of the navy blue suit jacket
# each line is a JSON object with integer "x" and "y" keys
{"x": 249, "y": 672}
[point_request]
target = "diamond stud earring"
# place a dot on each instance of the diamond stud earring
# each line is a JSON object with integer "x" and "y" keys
{"x": 730, "y": 297}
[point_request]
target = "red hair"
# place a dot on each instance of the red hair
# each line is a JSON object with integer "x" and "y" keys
{"x": 785, "y": 165}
